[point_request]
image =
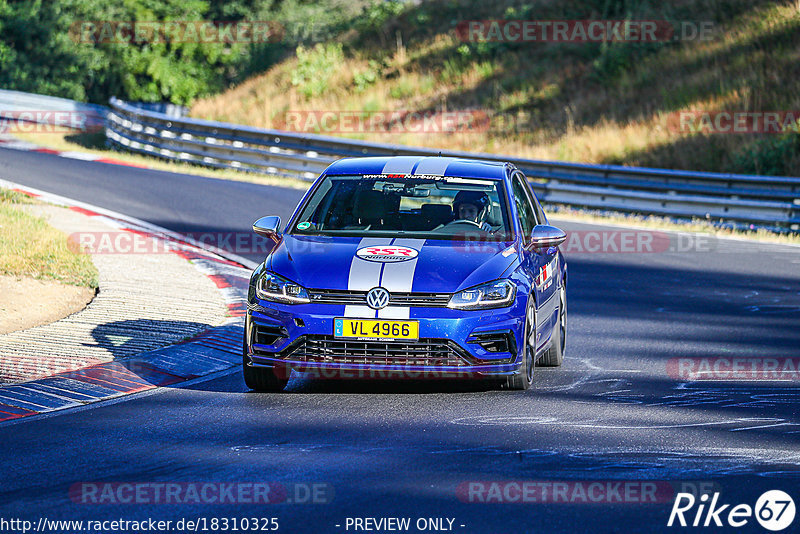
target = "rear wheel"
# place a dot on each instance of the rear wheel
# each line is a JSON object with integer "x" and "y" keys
{"x": 261, "y": 379}
{"x": 555, "y": 354}
{"x": 523, "y": 379}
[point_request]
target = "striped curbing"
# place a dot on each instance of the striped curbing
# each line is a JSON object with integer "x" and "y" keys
{"x": 25, "y": 146}
{"x": 134, "y": 365}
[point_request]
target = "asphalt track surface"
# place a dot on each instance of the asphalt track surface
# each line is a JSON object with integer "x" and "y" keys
{"x": 616, "y": 412}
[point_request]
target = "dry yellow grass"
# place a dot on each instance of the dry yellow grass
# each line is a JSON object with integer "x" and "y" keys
{"x": 750, "y": 64}
{"x": 30, "y": 247}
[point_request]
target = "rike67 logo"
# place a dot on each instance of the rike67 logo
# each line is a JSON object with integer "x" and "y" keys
{"x": 774, "y": 510}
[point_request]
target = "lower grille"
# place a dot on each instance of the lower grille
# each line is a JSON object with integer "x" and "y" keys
{"x": 502, "y": 341}
{"x": 328, "y": 349}
{"x": 267, "y": 335}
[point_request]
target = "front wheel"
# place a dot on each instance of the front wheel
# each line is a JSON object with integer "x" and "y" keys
{"x": 523, "y": 379}
{"x": 261, "y": 379}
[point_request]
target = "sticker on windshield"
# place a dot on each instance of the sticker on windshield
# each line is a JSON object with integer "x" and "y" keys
{"x": 387, "y": 254}
{"x": 304, "y": 226}
{"x": 434, "y": 177}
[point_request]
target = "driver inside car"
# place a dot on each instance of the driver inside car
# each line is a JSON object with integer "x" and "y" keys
{"x": 473, "y": 207}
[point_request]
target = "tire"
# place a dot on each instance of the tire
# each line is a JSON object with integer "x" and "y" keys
{"x": 554, "y": 356}
{"x": 261, "y": 379}
{"x": 523, "y": 379}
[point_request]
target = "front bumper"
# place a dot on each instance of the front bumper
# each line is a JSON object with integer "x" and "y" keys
{"x": 452, "y": 344}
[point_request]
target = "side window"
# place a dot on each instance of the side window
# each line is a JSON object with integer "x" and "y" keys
{"x": 537, "y": 206}
{"x": 540, "y": 216}
{"x": 525, "y": 213}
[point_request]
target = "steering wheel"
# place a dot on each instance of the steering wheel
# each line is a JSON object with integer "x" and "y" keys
{"x": 464, "y": 225}
{"x": 461, "y": 222}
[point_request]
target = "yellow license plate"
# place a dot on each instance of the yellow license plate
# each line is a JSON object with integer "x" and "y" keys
{"x": 375, "y": 329}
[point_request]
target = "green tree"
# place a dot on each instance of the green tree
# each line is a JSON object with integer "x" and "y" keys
{"x": 36, "y": 52}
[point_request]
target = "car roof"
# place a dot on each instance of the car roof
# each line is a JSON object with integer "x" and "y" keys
{"x": 420, "y": 165}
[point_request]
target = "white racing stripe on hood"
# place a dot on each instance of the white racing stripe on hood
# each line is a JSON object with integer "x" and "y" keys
{"x": 399, "y": 277}
{"x": 364, "y": 275}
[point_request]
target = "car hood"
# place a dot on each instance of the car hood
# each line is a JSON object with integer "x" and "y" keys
{"x": 318, "y": 262}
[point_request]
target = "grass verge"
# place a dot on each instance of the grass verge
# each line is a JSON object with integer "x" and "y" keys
{"x": 32, "y": 248}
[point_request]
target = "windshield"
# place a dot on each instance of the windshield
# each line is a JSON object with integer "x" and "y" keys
{"x": 425, "y": 207}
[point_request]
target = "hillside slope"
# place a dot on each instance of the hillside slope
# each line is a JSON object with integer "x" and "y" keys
{"x": 589, "y": 102}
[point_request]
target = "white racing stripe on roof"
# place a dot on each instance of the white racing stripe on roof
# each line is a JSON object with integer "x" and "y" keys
{"x": 399, "y": 277}
{"x": 400, "y": 165}
{"x": 364, "y": 275}
{"x": 433, "y": 165}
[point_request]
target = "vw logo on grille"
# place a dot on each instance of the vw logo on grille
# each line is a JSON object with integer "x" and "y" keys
{"x": 377, "y": 298}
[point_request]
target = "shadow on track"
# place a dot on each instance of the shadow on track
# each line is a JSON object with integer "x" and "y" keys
{"x": 133, "y": 337}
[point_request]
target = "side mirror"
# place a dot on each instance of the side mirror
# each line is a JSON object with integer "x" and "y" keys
{"x": 544, "y": 236}
{"x": 268, "y": 227}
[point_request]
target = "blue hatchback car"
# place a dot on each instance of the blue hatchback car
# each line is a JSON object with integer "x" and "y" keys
{"x": 419, "y": 267}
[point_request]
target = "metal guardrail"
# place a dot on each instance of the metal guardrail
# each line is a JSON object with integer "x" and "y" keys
{"x": 33, "y": 108}
{"x": 27, "y": 107}
{"x": 763, "y": 200}
{"x": 769, "y": 201}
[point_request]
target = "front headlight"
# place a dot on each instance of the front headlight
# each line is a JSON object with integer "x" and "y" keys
{"x": 495, "y": 294}
{"x": 272, "y": 287}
